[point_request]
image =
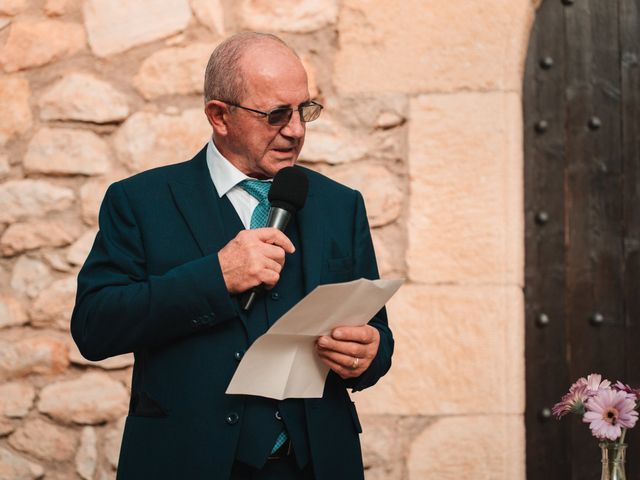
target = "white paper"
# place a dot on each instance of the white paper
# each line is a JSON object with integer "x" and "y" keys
{"x": 283, "y": 362}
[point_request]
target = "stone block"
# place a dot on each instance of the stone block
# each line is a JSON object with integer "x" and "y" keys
{"x": 15, "y": 112}
{"x": 12, "y": 7}
{"x": 32, "y": 355}
{"x": 114, "y": 27}
{"x": 12, "y": 313}
{"x": 5, "y": 167}
{"x": 87, "y": 456}
{"x": 29, "y": 277}
{"x": 92, "y": 193}
{"x": 358, "y": 127}
{"x": 32, "y": 198}
{"x": 33, "y": 43}
{"x": 55, "y": 8}
{"x": 173, "y": 71}
{"x": 419, "y": 46}
{"x": 85, "y": 98}
{"x": 62, "y": 151}
{"x": 459, "y": 350}
{"x": 382, "y": 190}
{"x": 91, "y": 399}
{"x": 6, "y": 428}
{"x": 56, "y": 261}
{"x": 466, "y": 220}
{"x": 370, "y": 112}
{"x": 328, "y": 141}
{"x": 112, "y": 363}
{"x": 389, "y": 245}
{"x": 148, "y": 140}
{"x": 79, "y": 251}
{"x": 297, "y": 16}
{"x": 106, "y": 475}
{"x": 385, "y": 440}
{"x": 489, "y": 446}
{"x": 53, "y": 307}
{"x": 307, "y": 63}
{"x": 209, "y": 13}
{"x": 112, "y": 441}
{"x": 16, "y": 399}
{"x": 16, "y": 467}
{"x": 44, "y": 440}
{"x": 33, "y": 234}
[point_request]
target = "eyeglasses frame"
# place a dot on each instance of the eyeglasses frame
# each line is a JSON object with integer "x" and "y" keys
{"x": 266, "y": 114}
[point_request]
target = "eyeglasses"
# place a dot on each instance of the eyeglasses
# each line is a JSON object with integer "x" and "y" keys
{"x": 280, "y": 116}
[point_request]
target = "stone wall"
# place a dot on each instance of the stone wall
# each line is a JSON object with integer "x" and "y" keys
{"x": 423, "y": 115}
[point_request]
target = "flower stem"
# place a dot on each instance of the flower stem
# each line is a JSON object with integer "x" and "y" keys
{"x": 624, "y": 432}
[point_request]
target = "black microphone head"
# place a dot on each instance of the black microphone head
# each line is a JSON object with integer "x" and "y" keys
{"x": 289, "y": 189}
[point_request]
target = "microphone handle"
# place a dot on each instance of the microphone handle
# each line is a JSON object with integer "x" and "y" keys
{"x": 278, "y": 218}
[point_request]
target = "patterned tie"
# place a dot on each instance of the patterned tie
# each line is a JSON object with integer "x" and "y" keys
{"x": 259, "y": 190}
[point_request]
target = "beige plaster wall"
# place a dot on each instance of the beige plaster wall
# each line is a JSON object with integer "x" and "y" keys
{"x": 423, "y": 116}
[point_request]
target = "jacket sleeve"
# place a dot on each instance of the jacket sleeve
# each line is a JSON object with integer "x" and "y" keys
{"x": 365, "y": 266}
{"x": 120, "y": 308}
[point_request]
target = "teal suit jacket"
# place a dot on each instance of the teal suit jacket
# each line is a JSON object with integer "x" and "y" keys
{"x": 152, "y": 285}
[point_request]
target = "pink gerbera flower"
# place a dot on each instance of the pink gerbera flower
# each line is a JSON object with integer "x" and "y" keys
{"x": 634, "y": 393}
{"x": 608, "y": 411}
{"x": 595, "y": 382}
{"x": 572, "y": 401}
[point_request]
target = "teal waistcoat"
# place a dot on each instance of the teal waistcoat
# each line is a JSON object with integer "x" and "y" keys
{"x": 263, "y": 418}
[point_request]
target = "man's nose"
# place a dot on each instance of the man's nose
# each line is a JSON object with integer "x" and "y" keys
{"x": 295, "y": 128}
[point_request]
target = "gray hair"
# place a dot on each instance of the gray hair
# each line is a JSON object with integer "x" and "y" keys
{"x": 223, "y": 79}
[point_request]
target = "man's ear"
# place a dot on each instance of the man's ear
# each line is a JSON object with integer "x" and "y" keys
{"x": 216, "y": 112}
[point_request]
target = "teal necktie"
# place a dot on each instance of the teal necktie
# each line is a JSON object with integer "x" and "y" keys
{"x": 259, "y": 190}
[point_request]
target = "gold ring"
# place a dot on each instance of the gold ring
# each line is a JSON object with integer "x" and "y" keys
{"x": 354, "y": 365}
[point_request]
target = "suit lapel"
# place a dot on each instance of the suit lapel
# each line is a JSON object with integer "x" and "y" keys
{"x": 196, "y": 198}
{"x": 312, "y": 226}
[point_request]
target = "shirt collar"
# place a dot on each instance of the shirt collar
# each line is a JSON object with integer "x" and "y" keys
{"x": 223, "y": 173}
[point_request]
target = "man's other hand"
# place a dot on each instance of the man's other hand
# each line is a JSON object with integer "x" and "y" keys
{"x": 254, "y": 257}
{"x": 349, "y": 351}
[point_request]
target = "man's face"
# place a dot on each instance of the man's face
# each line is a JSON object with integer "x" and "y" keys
{"x": 274, "y": 77}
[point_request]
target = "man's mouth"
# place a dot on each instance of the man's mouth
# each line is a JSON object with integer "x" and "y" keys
{"x": 285, "y": 150}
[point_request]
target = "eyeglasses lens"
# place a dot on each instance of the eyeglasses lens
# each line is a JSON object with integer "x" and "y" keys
{"x": 281, "y": 116}
{"x": 309, "y": 113}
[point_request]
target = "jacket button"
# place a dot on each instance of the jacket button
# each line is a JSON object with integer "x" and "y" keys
{"x": 238, "y": 355}
{"x": 195, "y": 321}
{"x": 278, "y": 416}
{"x": 275, "y": 296}
{"x": 232, "y": 418}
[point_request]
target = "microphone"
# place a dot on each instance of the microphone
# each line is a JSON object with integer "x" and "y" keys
{"x": 287, "y": 195}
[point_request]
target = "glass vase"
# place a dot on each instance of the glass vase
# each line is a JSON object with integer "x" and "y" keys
{"x": 613, "y": 457}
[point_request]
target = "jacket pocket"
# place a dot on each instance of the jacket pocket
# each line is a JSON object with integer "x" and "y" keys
{"x": 142, "y": 405}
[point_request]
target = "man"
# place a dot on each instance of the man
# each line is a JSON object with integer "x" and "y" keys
{"x": 174, "y": 254}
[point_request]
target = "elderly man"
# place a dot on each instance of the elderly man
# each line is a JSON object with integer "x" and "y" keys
{"x": 176, "y": 250}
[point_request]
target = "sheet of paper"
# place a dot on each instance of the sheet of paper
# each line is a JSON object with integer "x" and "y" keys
{"x": 283, "y": 363}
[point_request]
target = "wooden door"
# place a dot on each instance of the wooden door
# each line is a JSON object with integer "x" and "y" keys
{"x": 582, "y": 201}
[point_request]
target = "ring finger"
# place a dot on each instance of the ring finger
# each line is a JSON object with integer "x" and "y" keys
{"x": 345, "y": 361}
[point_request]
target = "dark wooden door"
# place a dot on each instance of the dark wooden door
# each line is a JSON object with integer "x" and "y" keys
{"x": 582, "y": 201}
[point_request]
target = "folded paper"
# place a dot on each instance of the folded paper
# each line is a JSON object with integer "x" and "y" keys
{"x": 283, "y": 362}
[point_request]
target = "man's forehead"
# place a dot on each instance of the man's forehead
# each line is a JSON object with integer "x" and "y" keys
{"x": 268, "y": 57}
{"x": 274, "y": 75}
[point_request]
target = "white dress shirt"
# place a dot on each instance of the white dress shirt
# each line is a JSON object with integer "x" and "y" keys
{"x": 226, "y": 177}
